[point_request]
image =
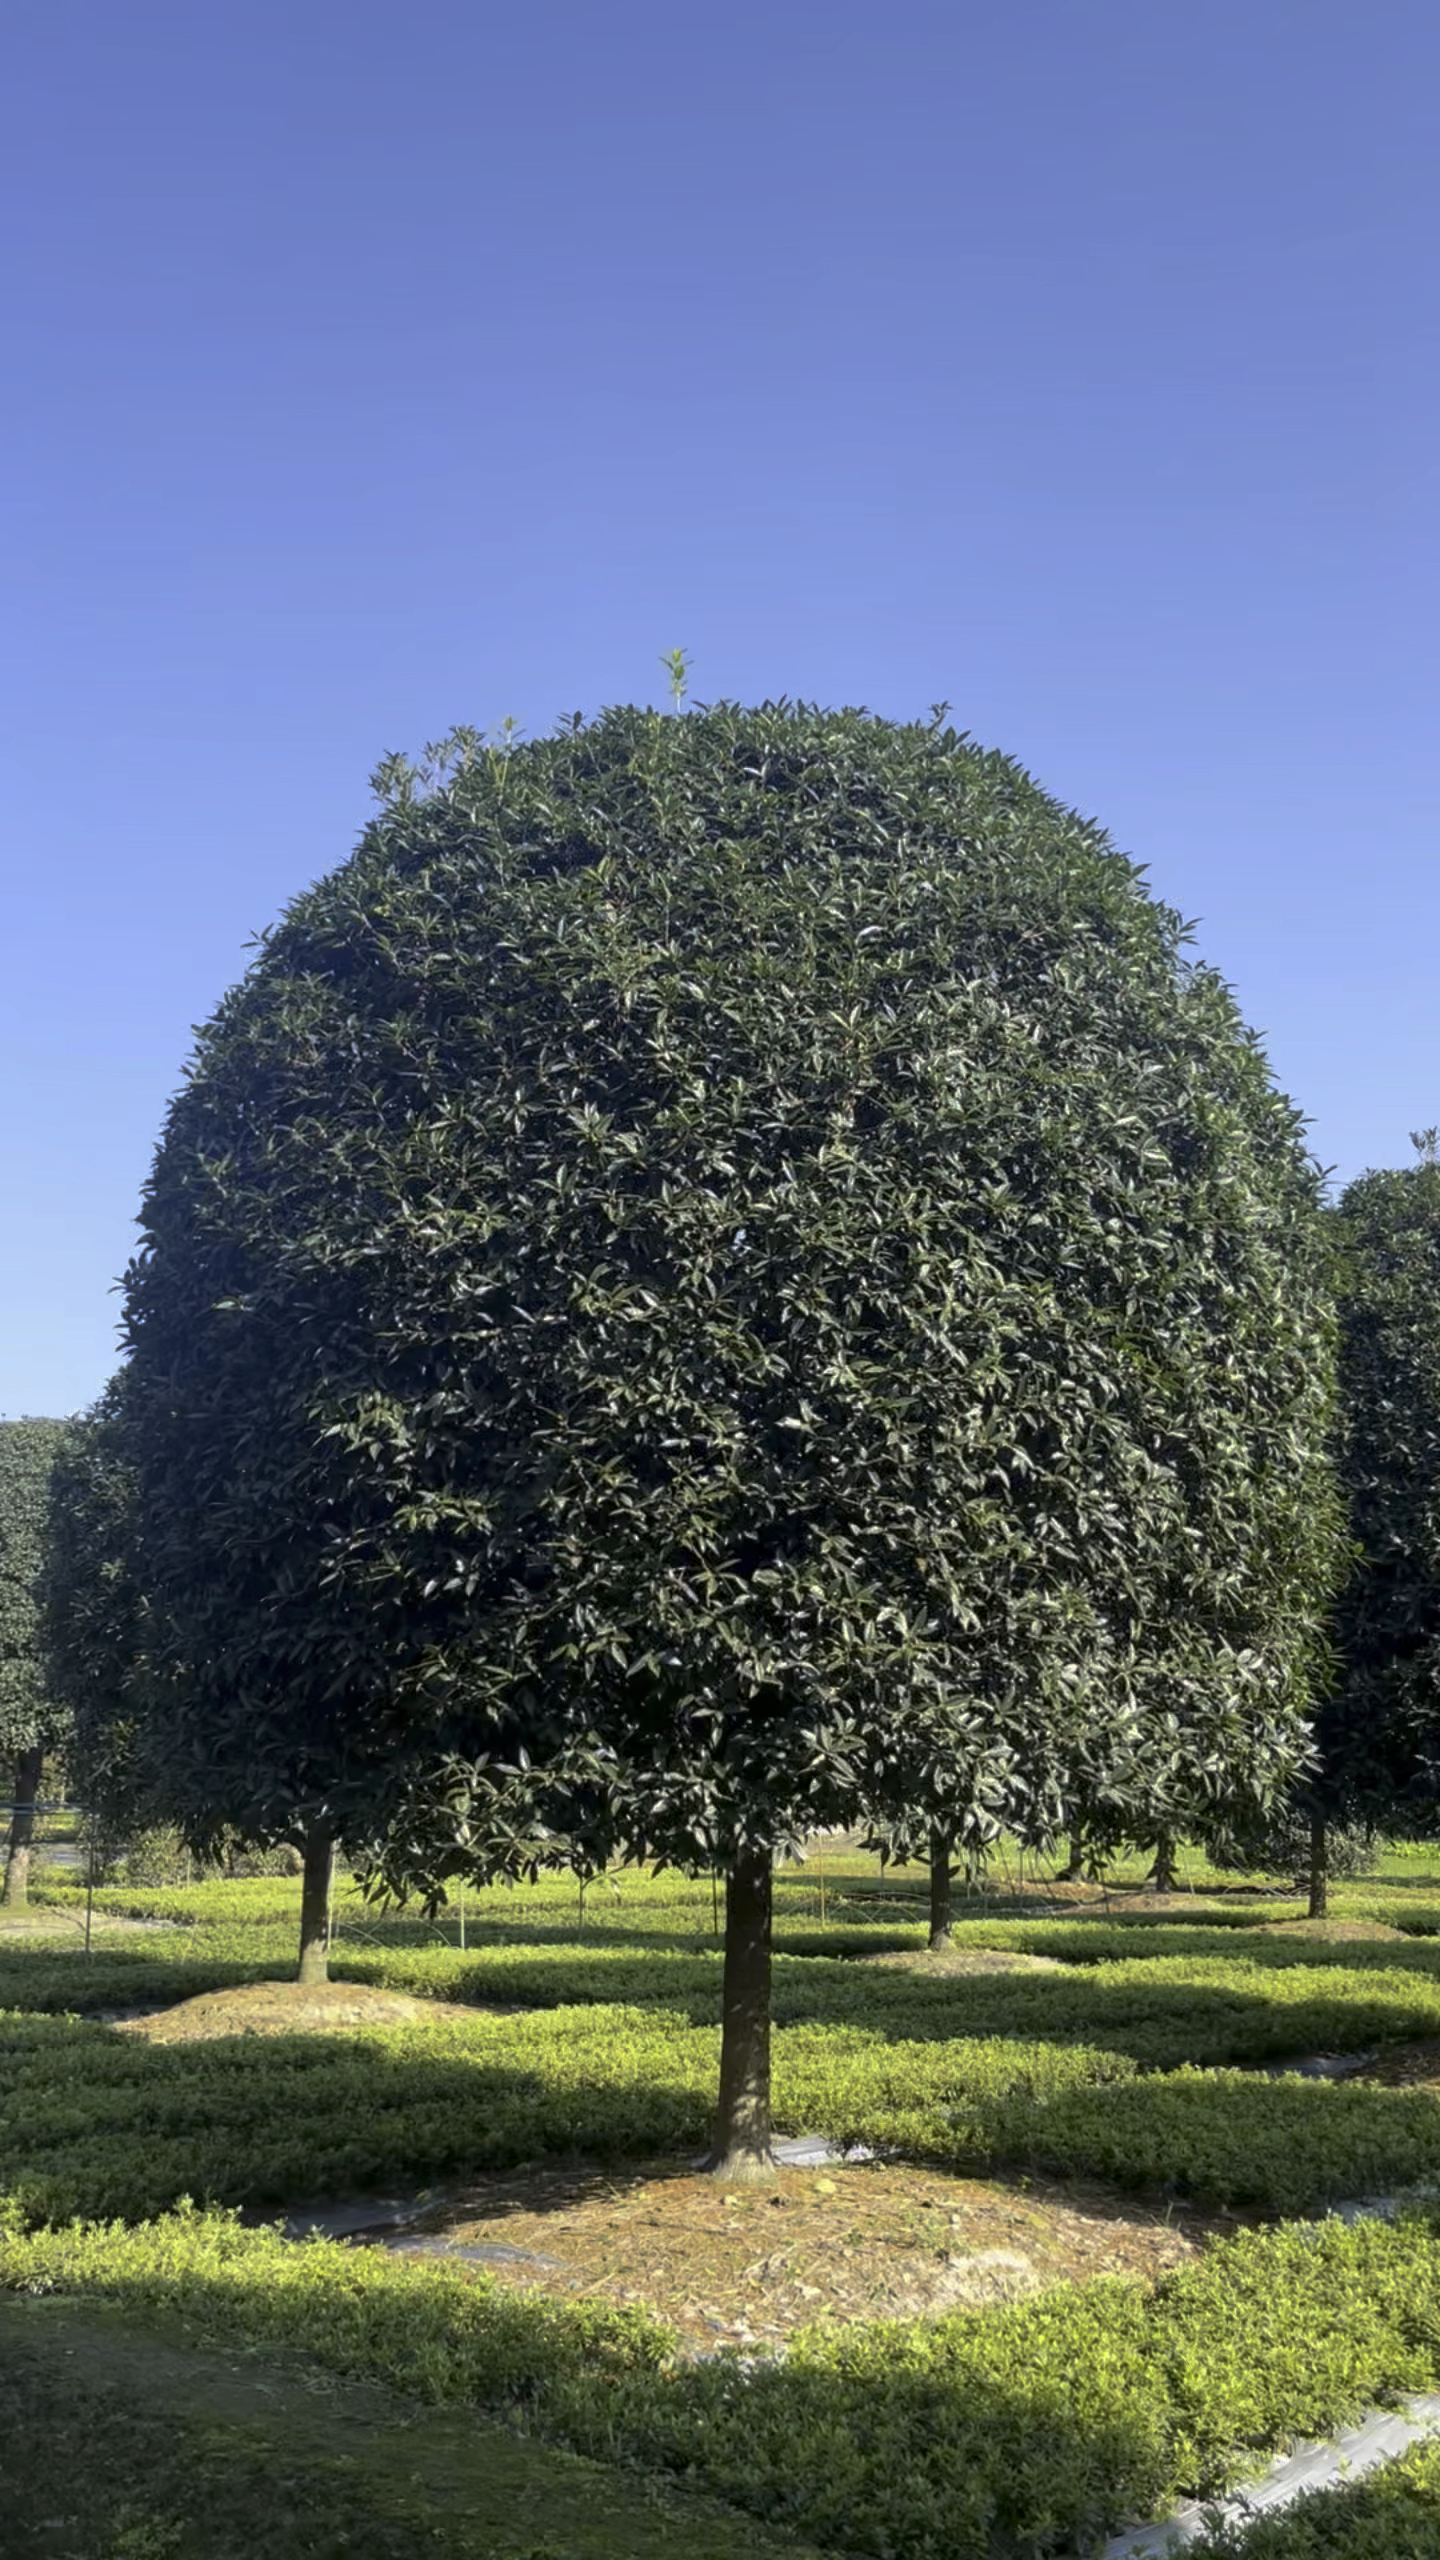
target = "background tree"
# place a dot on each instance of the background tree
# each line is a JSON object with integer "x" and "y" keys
{"x": 143, "y": 1768}
{"x": 31, "y": 1721}
{"x": 1377, "y": 1731}
{"x": 1376, "y": 1760}
{"x": 91, "y": 1624}
{"x": 722, "y": 1278}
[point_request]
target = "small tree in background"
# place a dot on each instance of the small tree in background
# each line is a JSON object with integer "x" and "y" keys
{"x": 32, "y": 1721}
{"x": 137, "y": 1760}
{"x": 1377, "y": 1732}
{"x": 148, "y": 1786}
{"x": 725, "y": 1277}
{"x": 91, "y": 1625}
{"x": 1375, "y": 1765}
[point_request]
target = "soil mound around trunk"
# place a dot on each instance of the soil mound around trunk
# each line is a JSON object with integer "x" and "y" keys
{"x": 964, "y": 1960}
{"x": 288, "y": 2009}
{"x": 746, "y": 2266}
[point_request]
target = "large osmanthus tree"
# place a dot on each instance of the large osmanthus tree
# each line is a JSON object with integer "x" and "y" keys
{"x": 32, "y": 1719}
{"x": 724, "y": 1276}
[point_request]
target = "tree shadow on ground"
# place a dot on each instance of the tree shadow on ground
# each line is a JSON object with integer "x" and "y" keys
{"x": 153, "y": 2445}
{"x": 99, "y": 2123}
{"x": 1165, "y": 2008}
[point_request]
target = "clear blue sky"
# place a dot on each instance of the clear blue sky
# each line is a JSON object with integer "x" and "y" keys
{"x": 376, "y": 364}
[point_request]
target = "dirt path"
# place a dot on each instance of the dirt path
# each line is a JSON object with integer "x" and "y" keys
{"x": 119, "y": 2441}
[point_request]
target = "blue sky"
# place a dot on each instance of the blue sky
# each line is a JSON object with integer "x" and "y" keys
{"x": 376, "y": 366}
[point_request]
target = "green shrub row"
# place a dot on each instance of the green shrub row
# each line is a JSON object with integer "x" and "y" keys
{"x": 1221, "y": 2138}
{"x": 1161, "y": 2004}
{"x": 98, "y": 2124}
{"x": 1033, "y": 2430}
{"x": 95, "y": 2124}
{"x": 628, "y": 1895}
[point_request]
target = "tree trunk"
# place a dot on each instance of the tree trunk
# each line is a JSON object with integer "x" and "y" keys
{"x": 940, "y": 1904}
{"x": 315, "y": 1908}
{"x": 1071, "y": 1872}
{"x": 22, "y": 1830}
{"x": 742, "y": 2127}
{"x": 1162, "y": 1874}
{"x": 1319, "y": 1869}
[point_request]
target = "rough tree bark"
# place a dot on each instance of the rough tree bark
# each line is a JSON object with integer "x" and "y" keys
{"x": 22, "y": 1830}
{"x": 941, "y": 1911}
{"x": 742, "y": 2127}
{"x": 314, "y": 1963}
{"x": 1319, "y": 1869}
{"x": 1162, "y": 1874}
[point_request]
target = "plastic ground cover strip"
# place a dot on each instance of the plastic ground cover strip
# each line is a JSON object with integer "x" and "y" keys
{"x": 1377, "y": 2439}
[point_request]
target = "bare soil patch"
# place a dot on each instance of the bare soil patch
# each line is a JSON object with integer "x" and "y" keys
{"x": 1330, "y": 1932}
{"x": 290, "y": 2008}
{"x": 68, "y": 1928}
{"x": 850, "y": 2242}
{"x": 963, "y": 1960}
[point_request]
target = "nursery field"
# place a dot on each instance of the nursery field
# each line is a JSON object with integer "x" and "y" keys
{"x": 1061, "y": 2253}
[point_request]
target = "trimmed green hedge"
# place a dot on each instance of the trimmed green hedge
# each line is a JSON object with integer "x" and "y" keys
{"x": 93, "y": 2123}
{"x": 1163, "y": 2009}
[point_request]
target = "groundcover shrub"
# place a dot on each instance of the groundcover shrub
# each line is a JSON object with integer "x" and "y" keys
{"x": 1027, "y": 2430}
{"x": 92, "y": 2123}
{"x": 1221, "y": 2137}
{"x": 1211, "y": 2005}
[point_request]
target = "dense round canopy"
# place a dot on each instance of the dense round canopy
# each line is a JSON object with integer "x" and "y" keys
{"x": 90, "y": 1627}
{"x": 737, "y": 1247}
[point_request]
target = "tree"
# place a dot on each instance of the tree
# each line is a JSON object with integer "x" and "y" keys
{"x": 31, "y": 1722}
{"x": 941, "y": 1889}
{"x": 1377, "y": 1731}
{"x": 140, "y": 1765}
{"x": 1375, "y": 1764}
{"x": 92, "y": 1618}
{"x": 725, "y": 1277}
